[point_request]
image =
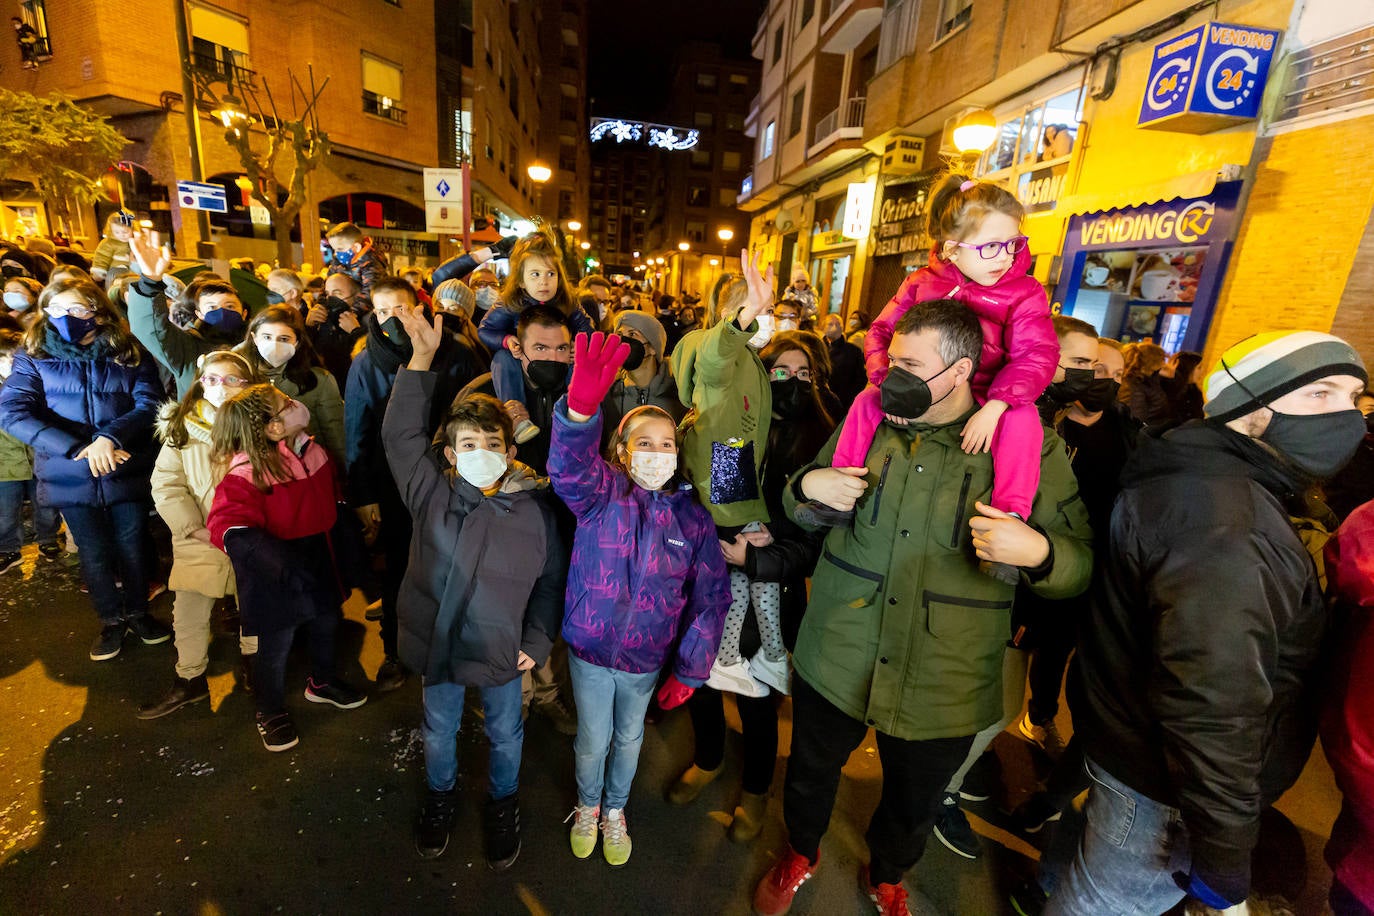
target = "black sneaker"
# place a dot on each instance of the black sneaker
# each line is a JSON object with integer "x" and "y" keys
{"x": 501, "y": 831}
{"x": 10, "y": 561}
{"x": 108, "y": 643}
{"x": 816, "y": 514}
{"x": 51, "y": 551}
{"x": 183, "y": 691}
{"x": 1027, "y": 899}
{"x": 1034, "y": 813}
{"x": 391, "y": 676}
{"x": 336, "y": 693}
{"x": 436, "y": 821}
{"x": 278, "y": 731}
{"x": 149, "y": 629}
{"x": 1002, "y": 572}
{"x": 952, "y": 828}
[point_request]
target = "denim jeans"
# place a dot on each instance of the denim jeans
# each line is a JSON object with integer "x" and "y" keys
{"x": 46, "y": 521}
{"x": 502, "y": 721}
{"x": 1128, "y": 852}
{"x": 269, "y": 664}
{"x": 610, "y": 728}
{"x": 112, "y": 544}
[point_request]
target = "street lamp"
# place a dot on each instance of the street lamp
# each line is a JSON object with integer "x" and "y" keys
{"x": 539, "y": 173}
{"x": 586, "y": 246}
{"x": 683, "y": 246}
{"x": 725, "y": 234}
{"x": 574, "y": 226}
{"x": 974, "y": 133}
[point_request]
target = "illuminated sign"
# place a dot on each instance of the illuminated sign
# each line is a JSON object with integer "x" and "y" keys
{"x": 858, "y": 210}
{"x": 661, "y": 135}
{"x": 1207, "y": 78}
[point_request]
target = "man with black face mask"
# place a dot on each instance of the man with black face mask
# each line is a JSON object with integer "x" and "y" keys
{"x": 644, "y": 378}
{"x": 372, "y": 491}
{"x": 334, "y": 323}
{"x": 1193, "y": 693}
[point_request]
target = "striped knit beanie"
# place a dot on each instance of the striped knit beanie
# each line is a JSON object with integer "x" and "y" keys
{"x": 1267, "y": 366}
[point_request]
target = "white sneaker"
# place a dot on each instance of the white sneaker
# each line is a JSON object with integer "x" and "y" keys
{"x": 735, "y": 678}
{"x": 776, "y": 674}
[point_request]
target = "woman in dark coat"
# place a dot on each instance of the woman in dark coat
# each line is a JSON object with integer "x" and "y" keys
{"x": 84, "y": 395}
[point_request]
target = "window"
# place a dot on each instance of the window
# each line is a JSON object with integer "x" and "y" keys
{"x": 706, "y": 82}
{"x": 219, "y": 44}
{"x": 382, "y": 89}
{"x": 808, "y": 9}
{"x": 734, "y": 121}
{"x": 727, "y": 197}
{"x": 777, "y": 45}
{"x": 1038, "y": 133}
{"x": 489, "y": 138}
{"x": 696, "y": 231}
{"x": 954, "y": 15}
{"x": 739, "y": 83}
{"x": 768, "y": 134}
{"x": 701, "y": 159}
{"x": 514, "y": 159}
{"x": 730, "y": 161}
{"x": 703, "y": 120}
{"x": 35, "y": 16}
{"x": 897, "y": 35}
{"x": 794, "y": 124}
{"x": 698, "y": 195}
{"x": 514, "y": 84}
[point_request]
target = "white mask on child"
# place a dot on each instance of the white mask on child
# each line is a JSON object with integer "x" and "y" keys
{"x": 217, "y": 394}
{"x": 480, "y": 467}
{"x": 277, "y": 353}
{"x": 651, "y": 470}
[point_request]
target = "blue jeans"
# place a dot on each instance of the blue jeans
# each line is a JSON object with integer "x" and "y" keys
{"x": 1129, "y": 850}
{"x": 502, "y": 721}
{"x": 46, "y": 521}
{"x": 507, "y": 377}
{"x": 111, "y": 544}
{"x": 610, "y": 728}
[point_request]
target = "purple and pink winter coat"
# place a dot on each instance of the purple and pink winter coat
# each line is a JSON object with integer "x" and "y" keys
{"x": 647, "y": 582}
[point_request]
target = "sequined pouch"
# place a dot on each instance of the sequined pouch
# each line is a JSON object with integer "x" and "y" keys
{"x": 734, "y": 475}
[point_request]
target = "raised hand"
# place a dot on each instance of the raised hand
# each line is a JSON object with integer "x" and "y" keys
{"x": 424, "y": 338}
{"x": 760, "y": 290}
{"x": 596, "y": 360}
{"x": 153, "y": 257}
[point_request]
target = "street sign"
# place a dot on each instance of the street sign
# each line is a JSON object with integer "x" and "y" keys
{"x": 444, "y": 201}
{"x": 441, "y": 218}
{"x": 194, "y": 195}
{"x": 1207, "y": 78}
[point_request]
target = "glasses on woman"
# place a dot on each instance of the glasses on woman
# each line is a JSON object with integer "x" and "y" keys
{"x": 782, "y": 374}
{"x": 75, "y": 311}
{"x": 989, "y": 250}
{"x": 233, "y": 381}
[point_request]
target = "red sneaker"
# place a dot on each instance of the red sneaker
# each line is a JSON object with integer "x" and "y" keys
{"x": 888, "y": 899}
{"x": 775, "y": 890}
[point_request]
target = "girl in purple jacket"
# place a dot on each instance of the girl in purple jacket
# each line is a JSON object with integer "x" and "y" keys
{"x": 647, "y": 587}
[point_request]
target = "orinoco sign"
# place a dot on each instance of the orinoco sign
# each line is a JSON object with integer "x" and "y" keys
{"x": 1187, "y": 225}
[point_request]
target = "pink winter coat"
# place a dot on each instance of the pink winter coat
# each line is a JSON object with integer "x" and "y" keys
{"x": 1020, "y": 349}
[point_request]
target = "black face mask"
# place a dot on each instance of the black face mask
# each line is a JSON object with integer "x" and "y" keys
{"x": 789, "y": 396}
{"x": 908, "y": 396}
{"x": 1099, "y": 395}
{"x": 275, "y": 298}
{"x": 636, "y": 357}
{"x": 334, "y": 305}
{"x": 1076, "y": 382}
{"x": 1369, "y": 423}
{"x": 1319, "y": 445}
{"x": 547, "y": 374}
{"x": 394, "y": 330}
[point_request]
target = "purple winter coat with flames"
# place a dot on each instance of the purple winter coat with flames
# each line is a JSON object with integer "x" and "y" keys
{"x": 647, "y": 575}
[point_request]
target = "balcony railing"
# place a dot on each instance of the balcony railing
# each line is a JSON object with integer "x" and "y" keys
{"x": 222, "y": 69}
{"x": 849, "y": 116}
{"x": 383, "y": 107}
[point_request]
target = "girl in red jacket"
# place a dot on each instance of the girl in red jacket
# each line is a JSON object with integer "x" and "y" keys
{"x": 979, "y": 257}
{"x": 272, "y": 514}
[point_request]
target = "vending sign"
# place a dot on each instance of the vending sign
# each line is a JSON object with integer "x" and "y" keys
{"x": 1207, "y": 78}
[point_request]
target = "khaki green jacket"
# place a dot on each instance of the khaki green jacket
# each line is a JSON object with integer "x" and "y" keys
{"x": 902, "y": 631}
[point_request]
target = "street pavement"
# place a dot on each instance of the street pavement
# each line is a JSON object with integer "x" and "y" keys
{"x": 189, "y": 814}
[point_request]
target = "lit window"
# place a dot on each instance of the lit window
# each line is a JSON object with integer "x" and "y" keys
{"x": 769, "y": 133}
{"x": 382, "y": 89}
{"x": 219, "y": 44}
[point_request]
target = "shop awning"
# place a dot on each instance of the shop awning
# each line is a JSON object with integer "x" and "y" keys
{"x": 1180, "y": 187}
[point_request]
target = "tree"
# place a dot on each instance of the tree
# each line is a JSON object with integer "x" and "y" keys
{"x": 300, "y": 138}
{"x": 58, "y": 146}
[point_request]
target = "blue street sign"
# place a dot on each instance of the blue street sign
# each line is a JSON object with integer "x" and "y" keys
{"x": 443, "y": 187}
{"x": 1208, "y": 77}
{"x": 195, "y": 195}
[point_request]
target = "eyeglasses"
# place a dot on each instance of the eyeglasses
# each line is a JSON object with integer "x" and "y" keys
{"x": 989, "y": 250}
{"x": 787, "y": 316}
{"x": 782, "y": 374}
{"x": 483, "y": 284}
{"x": 74, "y": 311}
{"x": 233, "y": 381}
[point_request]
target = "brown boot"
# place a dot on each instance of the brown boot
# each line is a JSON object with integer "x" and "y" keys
{"x": 690, "y": 784}
{"x": 748, "y": 820}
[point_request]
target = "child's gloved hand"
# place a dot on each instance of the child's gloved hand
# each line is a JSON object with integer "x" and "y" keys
{"x": 596, "y": 360}
{"x": 674, "y": 693}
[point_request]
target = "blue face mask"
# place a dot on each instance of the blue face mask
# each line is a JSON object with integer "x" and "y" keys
{"x": 17, "y": 301}
{"x": 343, "y": 258}
{"x": 72, "y": 330}
{"x": 226, "y": 321}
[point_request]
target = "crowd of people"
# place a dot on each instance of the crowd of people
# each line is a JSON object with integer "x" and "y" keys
{"x": 595, "y": 503}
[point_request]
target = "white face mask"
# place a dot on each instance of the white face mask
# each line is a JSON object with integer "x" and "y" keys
{"x": 480, "y": 467}
{"x": 217, "y": 394}
{"x": 276, "y": 352}
{"x": 788, "y": 324}
{"x": 651, "y": 470}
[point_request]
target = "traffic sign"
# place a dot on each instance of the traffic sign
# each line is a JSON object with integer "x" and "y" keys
{"x": 444, "y": 185}
{"x": 195, "y": 195}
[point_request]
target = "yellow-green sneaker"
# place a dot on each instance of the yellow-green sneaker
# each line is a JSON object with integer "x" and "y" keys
{"x": 583, "y": 833}
{"x": 615, "y": 837}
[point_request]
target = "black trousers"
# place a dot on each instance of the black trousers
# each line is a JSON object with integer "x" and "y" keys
{"x": 759, "y": 723}
{"x": 915, "y": 774}
{"x": 269, "y": 664}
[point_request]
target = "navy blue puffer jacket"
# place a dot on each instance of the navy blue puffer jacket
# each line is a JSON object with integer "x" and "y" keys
{"x": 58, "y": 402}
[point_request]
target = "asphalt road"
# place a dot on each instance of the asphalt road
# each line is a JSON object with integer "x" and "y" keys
{"x": 189, "y": 814}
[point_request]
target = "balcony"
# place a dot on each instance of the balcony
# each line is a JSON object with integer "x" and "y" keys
{"x": 849, "y": 23}
{"x": 844, "y": 123}
{"x": 223, "y": 66}
{"x": 383, "y": 107}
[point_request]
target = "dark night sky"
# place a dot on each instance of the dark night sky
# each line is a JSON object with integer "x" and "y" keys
{"x": 632, "y": 42}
